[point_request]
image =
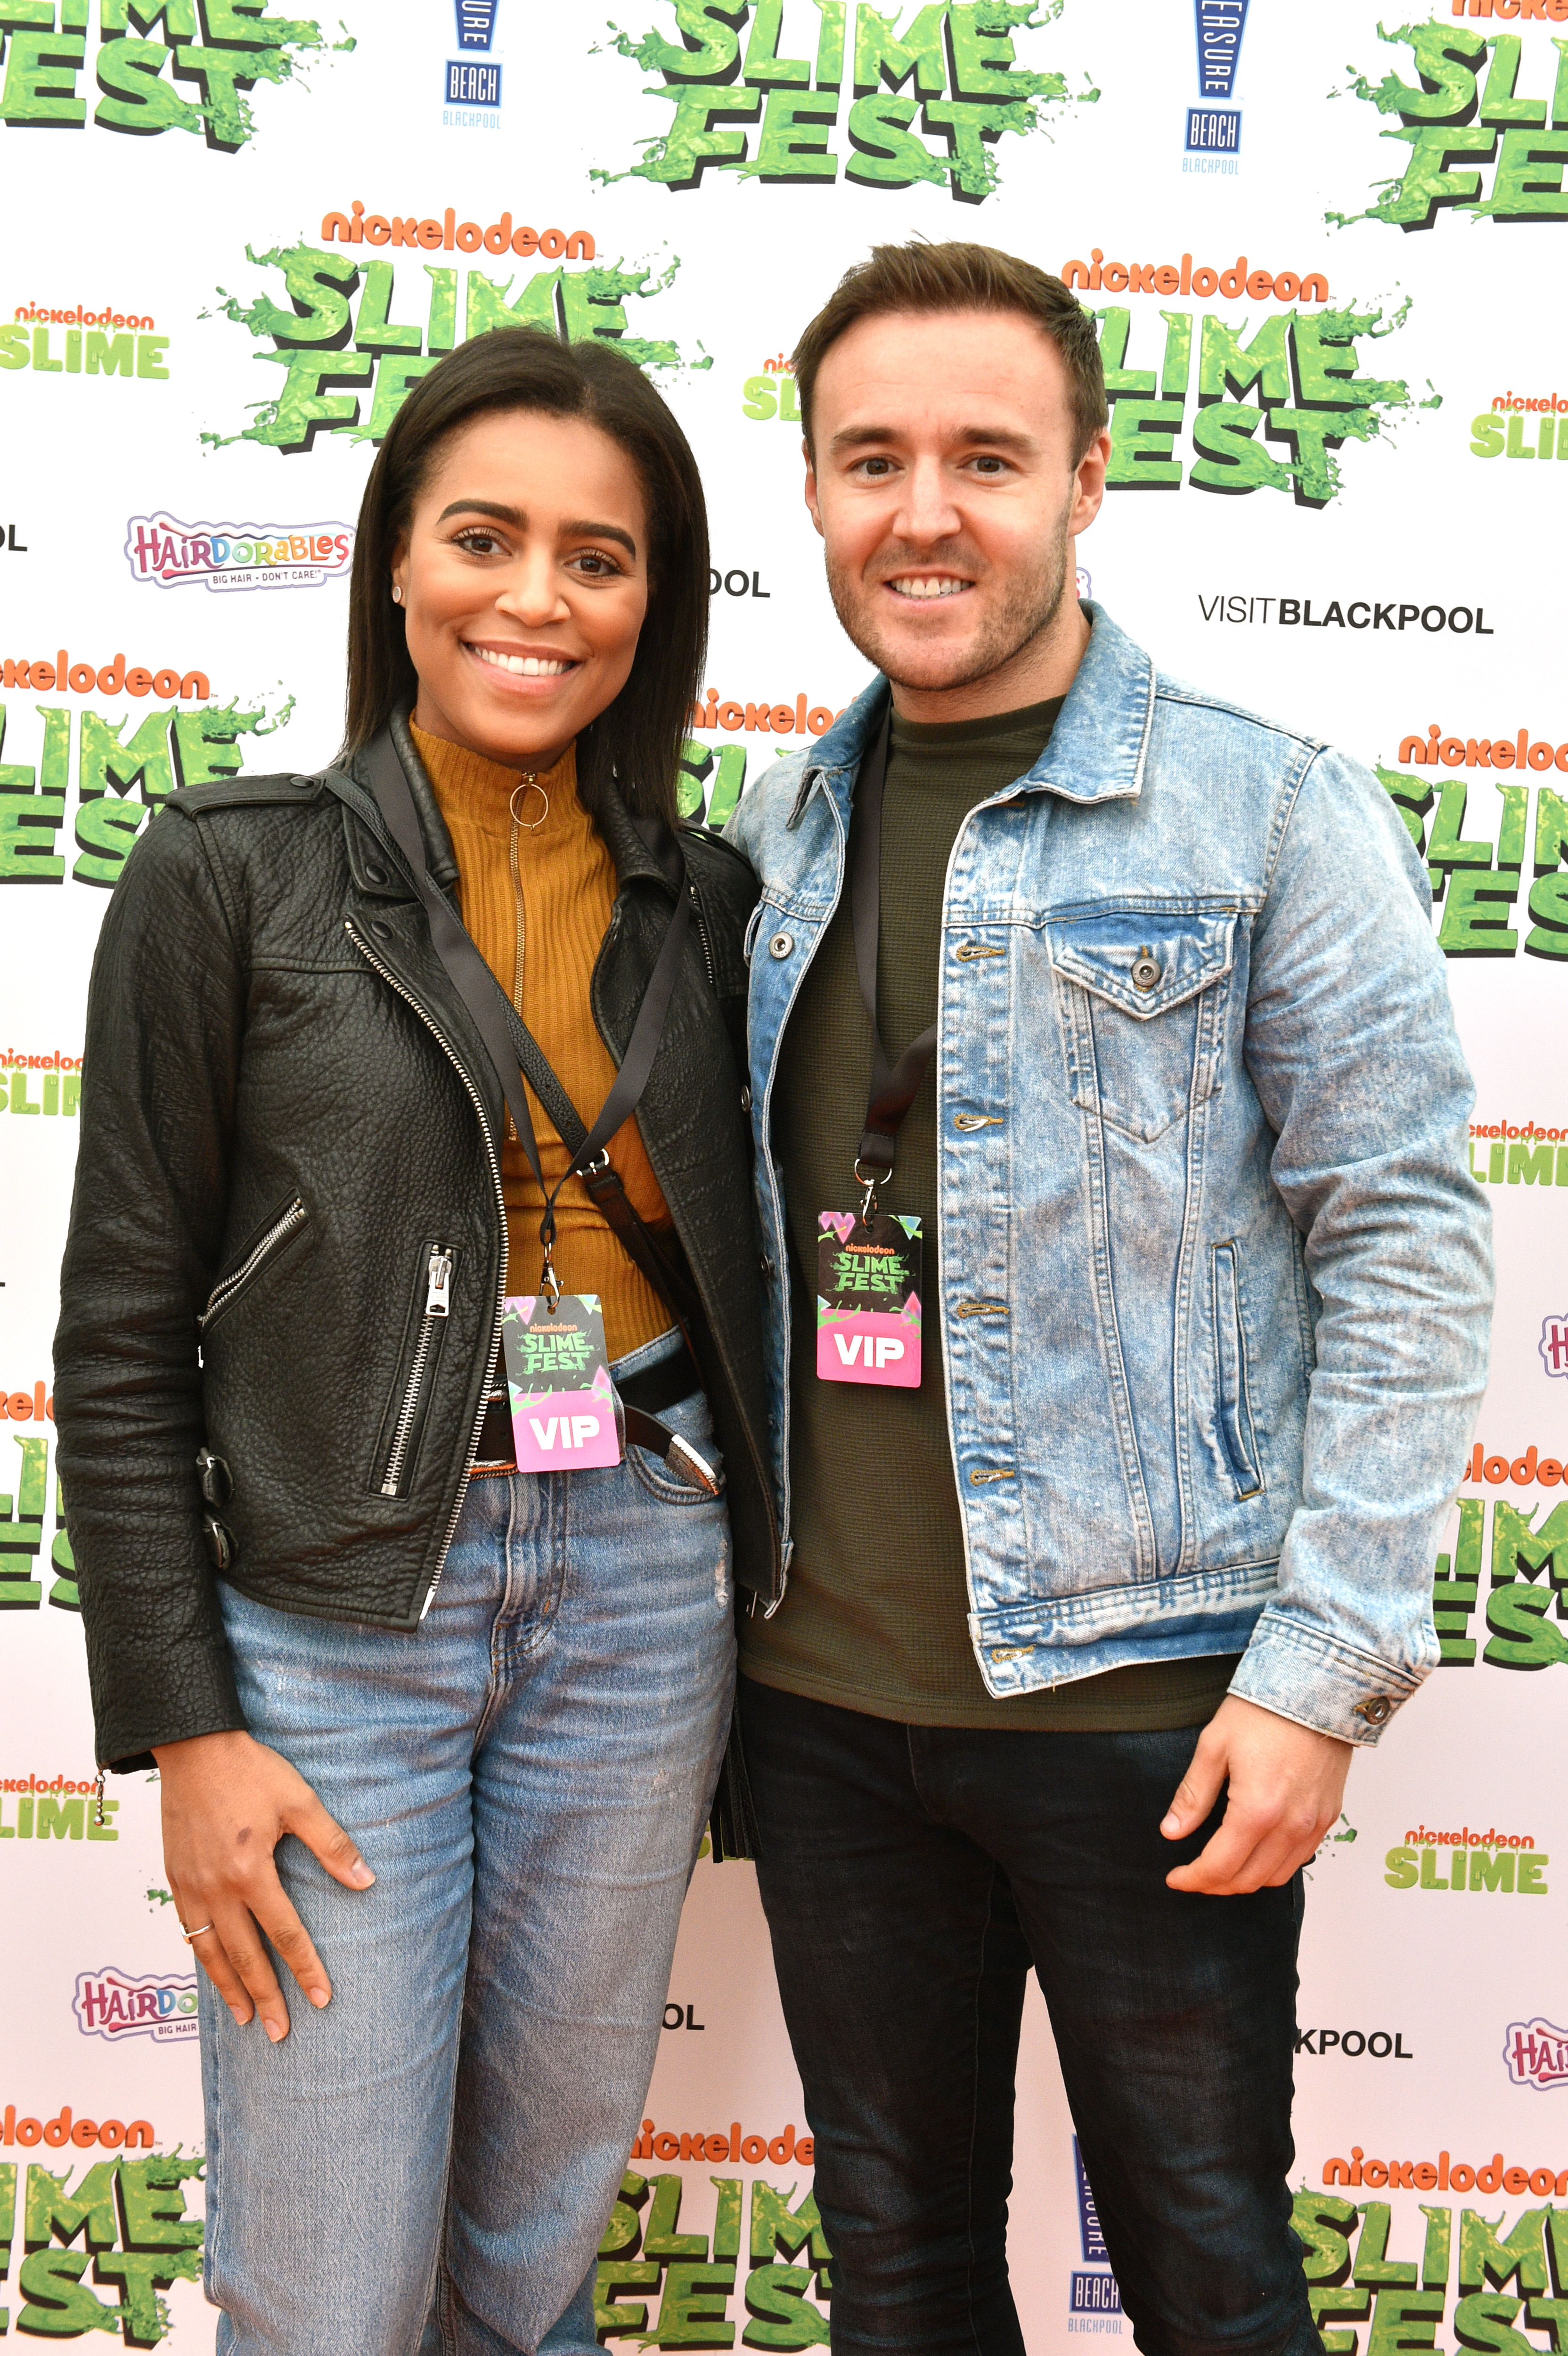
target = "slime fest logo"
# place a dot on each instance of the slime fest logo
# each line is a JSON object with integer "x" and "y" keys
{"x": 1398, "y": 2269}
{"x": 1306, "y": 396}
{"x": 1463, "y": 108}
{"x": 112, "y": 779}
{"x": 129, "y": 2216}
{"x": 102, "y": 343}
{"x": 660, "y": 2286}
{"x": 236, "y": 555}
{"x": 1501, "y": 431}
{"x": 1478, "y": 880}
{"x": 1492, "y": 1861}
{"x": 837, "y": 102}
{"x": 111, "y": 2005}
{"x": 1217, "y": 130}
{"x": 715, "y": 775}
{"x": 353, "y": 334}
{"x": 1536, "y": 2053}
{"x": 193, "y": 78}
{"x": 22, "y": 1511}
{"x": 1493, "y": 1593}
{"x": 40, "y": 1810}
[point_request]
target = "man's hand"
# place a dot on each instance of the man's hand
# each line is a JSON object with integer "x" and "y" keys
{"x": 1286, "y": 1785}
{"x": 227, "y": 1802}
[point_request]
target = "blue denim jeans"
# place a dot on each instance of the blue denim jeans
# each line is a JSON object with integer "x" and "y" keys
{"x": 911, "y": 1875}
{"x": 425, "y": 2168}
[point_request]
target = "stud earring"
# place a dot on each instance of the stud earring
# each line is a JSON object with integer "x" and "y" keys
{"x": 396, "y": 594}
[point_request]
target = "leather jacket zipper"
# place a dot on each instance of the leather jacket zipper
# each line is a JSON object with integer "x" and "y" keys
{"x": 453, "y": 1057}
{"x": 228, "y": 1287}
{"x": 437, "y": 1305}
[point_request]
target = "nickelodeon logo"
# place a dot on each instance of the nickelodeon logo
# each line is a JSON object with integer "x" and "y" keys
{"x": 1181, "y": 278}
{"x": 64, "y": 2128}
{"x": 1443, "y": 2175}
{"x": 1517, "y": 752}
{"x": 702, "y": 2147}
{"x": 450, "y": 235}
{"x": 108, "y": 678}
{"x": 797, "y": 719}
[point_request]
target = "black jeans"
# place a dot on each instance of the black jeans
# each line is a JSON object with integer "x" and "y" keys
{"x": 911, "y": 1875}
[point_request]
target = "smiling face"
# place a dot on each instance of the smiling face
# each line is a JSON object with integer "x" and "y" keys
{"x": 525, "y": 579}
{"x": 947, "y": 490}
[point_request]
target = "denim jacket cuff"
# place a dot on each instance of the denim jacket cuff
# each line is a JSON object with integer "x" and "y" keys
{"x": 1298, "y": 1673}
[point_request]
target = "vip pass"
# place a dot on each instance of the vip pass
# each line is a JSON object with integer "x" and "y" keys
{"x": 564, "y": 1405}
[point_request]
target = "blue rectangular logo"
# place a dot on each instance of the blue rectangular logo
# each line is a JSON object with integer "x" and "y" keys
{"x": 1088, "y": 2215}
{"x": 1214, "y": 130}
{"x": 470, "y": 85}
{"x": 1095, "y": 2294}
{"x": 1221, "y": 24}
{"x": 475, "y": 24}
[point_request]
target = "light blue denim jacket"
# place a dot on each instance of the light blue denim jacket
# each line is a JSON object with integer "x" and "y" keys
{"x": 1214, "y": 1277}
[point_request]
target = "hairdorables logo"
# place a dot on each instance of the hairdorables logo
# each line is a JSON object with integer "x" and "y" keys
{"x": 113, "y": 2005}
{"x": 169, "y": 553}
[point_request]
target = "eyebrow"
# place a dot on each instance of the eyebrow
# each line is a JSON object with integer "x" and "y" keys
{"x": 990, "y": 438}
{"x": 581, "y": 529}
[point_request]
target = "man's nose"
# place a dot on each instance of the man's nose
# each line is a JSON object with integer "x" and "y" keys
{"x": 927, "y": 512}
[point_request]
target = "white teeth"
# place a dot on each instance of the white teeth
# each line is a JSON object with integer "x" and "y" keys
{"x": 523, "y": 665}
{"x": 918, "y": 585}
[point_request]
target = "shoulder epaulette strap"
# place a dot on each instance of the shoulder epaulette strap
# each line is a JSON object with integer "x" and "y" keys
{"x": 244, "y": 793}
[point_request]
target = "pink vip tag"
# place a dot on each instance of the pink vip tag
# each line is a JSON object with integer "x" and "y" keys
{"x": 867, "y": 1299}
{"x": 558, "y": 1380}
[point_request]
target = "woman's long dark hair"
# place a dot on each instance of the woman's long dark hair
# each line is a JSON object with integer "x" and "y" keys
{"x": 638, "y": 737}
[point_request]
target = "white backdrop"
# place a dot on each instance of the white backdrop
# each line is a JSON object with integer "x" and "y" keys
{"x": 1332, "y": 262}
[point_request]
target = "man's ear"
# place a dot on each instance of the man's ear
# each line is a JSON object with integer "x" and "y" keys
{"x": 811, "y": 489}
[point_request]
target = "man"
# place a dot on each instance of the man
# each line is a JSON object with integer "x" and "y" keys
{"x": 1083, "y": 1622}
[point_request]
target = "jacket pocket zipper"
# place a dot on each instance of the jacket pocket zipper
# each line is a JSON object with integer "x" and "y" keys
{"x": 228, "y": 1287}
{"x": 1234, "y": 1400}
{"x": 437, "y": 1306}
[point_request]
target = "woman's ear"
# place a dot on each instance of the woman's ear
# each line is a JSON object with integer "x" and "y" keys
{"x": 399, "y": 576}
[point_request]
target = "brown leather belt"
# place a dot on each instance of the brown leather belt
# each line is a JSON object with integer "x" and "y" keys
{"x": 642, "y": 1396}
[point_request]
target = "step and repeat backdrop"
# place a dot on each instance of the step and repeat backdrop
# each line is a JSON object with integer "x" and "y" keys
{"x": 1322, "y": 252}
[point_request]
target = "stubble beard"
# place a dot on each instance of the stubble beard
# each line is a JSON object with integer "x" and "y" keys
{"x": 1031, "y": 604}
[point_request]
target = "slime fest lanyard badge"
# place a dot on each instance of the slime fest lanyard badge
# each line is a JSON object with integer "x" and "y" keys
{"x": 565, "y": 1411}
{"x": 867, "y": 1261}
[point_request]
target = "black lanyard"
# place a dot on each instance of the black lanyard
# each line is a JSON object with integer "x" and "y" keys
{"x": 895, "y": 1088}
{"x": 482, "y": 994}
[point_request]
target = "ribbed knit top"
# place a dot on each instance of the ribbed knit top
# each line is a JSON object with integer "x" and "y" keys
{"x": 537, "y": 898}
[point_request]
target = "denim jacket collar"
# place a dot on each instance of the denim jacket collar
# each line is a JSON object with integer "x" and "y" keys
{"x": 1096, "y": 752}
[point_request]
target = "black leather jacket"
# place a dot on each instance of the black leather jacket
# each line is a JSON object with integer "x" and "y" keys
{"x": 285, "y": 1107}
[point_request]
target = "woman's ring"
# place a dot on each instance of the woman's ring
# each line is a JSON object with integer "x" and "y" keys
{"x": 188, "y": 1935}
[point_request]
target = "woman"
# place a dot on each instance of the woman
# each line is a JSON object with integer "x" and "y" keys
{"x": 478, "y": 1711}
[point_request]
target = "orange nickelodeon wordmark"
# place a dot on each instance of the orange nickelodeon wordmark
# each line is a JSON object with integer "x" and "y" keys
{"x": 63, "y": 2129}
{"x": 774, "y": 719}
{"x": 1521, "y": 1471}
{"x": 27, "y": 1407}
{"x": 109, "y": 679}
{"x": 450, "y": 235}
{"x": 1541, "y": 12}
{"x": 1438, "y": 2175}
{"x": 1517, "y": 752}
{"x": 716, "y": 2148}
{"x": 1172, "y": 278}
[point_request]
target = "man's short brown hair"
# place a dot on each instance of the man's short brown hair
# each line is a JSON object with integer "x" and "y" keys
{"x": 960, "y": 277}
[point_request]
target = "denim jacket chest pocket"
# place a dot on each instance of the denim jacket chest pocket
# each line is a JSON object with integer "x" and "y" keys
{"x": 1143, "y": 994}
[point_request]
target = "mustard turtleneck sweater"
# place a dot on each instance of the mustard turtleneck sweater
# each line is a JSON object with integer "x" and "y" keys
{"x": 537, "y": 899}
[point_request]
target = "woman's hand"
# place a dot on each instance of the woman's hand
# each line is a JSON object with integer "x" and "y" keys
{"x": 227, "y": 1802}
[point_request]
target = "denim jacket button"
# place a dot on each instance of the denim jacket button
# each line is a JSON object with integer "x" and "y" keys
{"x": 780, "y": 945}
{"x": 1376, "y": 1712}
{"x": 1146, "y": 971}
